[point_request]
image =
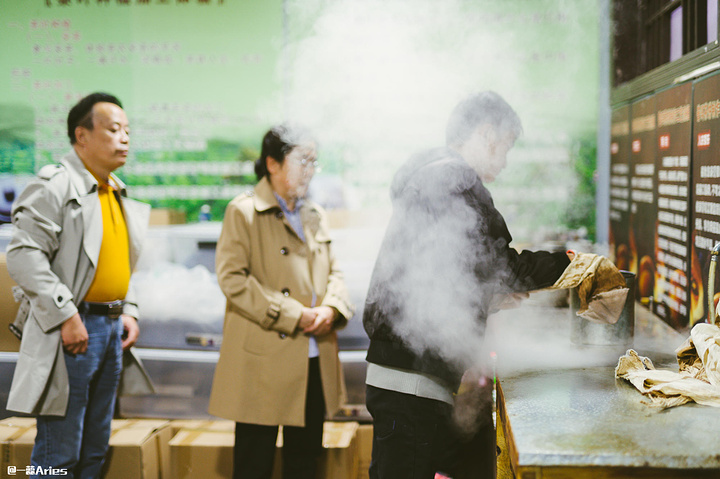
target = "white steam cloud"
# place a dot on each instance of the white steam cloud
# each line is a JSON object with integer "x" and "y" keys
{"x": 375, "y": 80}
{"x": 378, "y": 78}
{"x": 426, "y": 283}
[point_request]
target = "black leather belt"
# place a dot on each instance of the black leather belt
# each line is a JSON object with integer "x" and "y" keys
{"x": 113, "y": 310}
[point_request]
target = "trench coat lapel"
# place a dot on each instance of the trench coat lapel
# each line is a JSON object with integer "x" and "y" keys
{"x": 311, "y": 225}
{"x": 137, "y": 218}
{"x": 85, "y": 189}
{"x": 92, "y": 226}
{"x": 264, "y": 200}
{"x": 310, "y": 216}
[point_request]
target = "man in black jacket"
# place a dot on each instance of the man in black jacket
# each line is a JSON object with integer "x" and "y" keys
{"x": 445, "y": 264}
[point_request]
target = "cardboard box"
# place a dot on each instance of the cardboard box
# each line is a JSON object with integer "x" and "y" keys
{"x": 8, "y": 309}
{"x": 221, "y": 425}
{"x": 364, "y": 440}
{"x": 18, "y": 421}
{"x": 202, "y": 454}
{"x": 139, "y": 448}
{"x": 16, "y": 443}
{"x": 208, "y": 454}
{"x": 166, "y": 216}
{"x": 340, "y": 457}
{"x": 163, "y": 434}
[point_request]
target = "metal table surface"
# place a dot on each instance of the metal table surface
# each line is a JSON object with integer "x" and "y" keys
{"x": 564, "y": 414}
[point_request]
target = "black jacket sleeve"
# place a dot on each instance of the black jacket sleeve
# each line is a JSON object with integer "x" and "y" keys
{"x": 535, "y": 269}
{"x": 516, "y": 272}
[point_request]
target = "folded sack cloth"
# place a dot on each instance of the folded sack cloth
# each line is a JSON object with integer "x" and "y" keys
{"x": 698, "y": 377}
{"x": 600, "y": 286}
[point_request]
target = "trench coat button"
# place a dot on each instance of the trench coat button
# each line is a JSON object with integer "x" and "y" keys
{"x": 59, "y": 298}
{"x": 282, "y": 335}
{"x": 285, "y": 292}
{"x": 279, "y": 215}
{"x": 283, "y": 251}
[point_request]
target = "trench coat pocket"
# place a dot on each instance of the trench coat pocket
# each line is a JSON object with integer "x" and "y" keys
{"x": 261, "y": 342}
{"x": 36, "y": 343}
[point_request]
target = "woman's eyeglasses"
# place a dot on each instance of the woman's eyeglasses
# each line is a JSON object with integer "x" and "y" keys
{"x": 307, "y": 163}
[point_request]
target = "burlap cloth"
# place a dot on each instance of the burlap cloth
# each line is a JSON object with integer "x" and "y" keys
{"x": 600, "y": 286}
{"x": 698, "y": 378}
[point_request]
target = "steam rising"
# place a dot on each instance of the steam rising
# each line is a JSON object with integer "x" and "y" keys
{"x": 536, "y": 336}
{"x": 426, "y": 280}
{"x": 377, "y": 78}
{"x": 376, "y": 81}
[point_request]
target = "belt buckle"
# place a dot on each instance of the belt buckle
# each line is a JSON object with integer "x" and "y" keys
{"x": 115, "y": 309}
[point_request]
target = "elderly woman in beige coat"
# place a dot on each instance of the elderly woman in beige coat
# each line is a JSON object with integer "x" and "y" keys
{"x": 286, "y": 298}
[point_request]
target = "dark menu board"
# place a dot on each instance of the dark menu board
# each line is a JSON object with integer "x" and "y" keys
{"x": 643, "y": 205}
{"x": 672, "y": 245}
{"x": 706, "y": 200}
{"x": 619, "y": 244}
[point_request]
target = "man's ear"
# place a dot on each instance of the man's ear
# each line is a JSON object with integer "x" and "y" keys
{"x": 487, "y": 132}
{"x": 273, "y": 166}
{"x": 80, "y": 135}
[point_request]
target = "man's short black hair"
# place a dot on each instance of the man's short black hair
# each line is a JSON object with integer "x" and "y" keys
{"x": 484, "y": 107}
{"x": 81, "y": 113}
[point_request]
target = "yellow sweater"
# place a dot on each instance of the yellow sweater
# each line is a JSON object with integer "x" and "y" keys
{"x": 112, "y": 275}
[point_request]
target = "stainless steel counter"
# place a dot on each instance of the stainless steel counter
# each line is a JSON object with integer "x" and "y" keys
{"x": 564, "y": 414}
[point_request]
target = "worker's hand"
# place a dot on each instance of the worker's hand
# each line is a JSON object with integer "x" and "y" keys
{"x": 74, "y": 335}
{"x": 472, "y": 379}
{"x": 132, "y": 331}
{"x": 509, "y": 301}
{"x": 473, "y": 403}
{"x": 324, "y": 319}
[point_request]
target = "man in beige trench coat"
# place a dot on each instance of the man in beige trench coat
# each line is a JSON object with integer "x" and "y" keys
{"x": 70, "y": 355}
{"x": 276, "y": 268}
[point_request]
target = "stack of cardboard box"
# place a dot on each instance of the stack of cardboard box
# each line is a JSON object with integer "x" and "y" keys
{"x": 204, "y": 450}
{"x": 8, "y": 309}
{"x": 139, "y": 448}
{"x": 184, "y": 449}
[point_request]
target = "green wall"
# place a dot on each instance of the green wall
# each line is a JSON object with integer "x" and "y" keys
{"x": 193, "y": 77}
{"x": 201, "y": 81}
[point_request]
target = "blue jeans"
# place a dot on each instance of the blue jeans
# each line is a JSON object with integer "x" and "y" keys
{"x": 79, "y": 440}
